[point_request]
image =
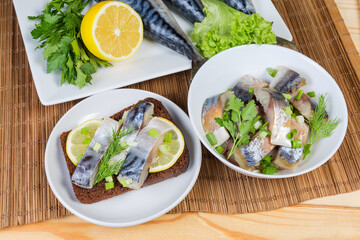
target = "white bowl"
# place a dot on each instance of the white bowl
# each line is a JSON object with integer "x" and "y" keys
{"x": 222, "y": 71}
{"x": 134, "y": 207}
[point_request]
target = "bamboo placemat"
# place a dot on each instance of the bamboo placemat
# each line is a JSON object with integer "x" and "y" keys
{"x": 25, "y": 124}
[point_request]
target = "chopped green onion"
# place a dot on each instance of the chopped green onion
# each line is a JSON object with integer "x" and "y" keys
{"x": 268, "y": 133}
{"x": 168, "y": 137}
{"x": 263, "y": 135}
{"x": 126, "y": 182}
{"x": 211, "y": 138}
{"x": 270, "y": 170}
{"x": 272, "y": 72}
{"x": 230, "y": 89}
{"x": 257, "y": 125}
{"x": 296, "y": 143}
{"x": 84, "y": 131}
{"x": 153, "y": 132}
{"x": 291, "y": 107}
{"x": 311, "y": 94}
{"x": 293, "y": 115}
{"x": 265, "y": 124}
{"x": 109, "y": 179}
{"x": 292, "y": 134}
{"x": 267, "y": 159}
{"x": 164, "y": 148}
{"x": 306, "y": 150}
{"x": 299, "y": 119}
{"x": 298, "y": 96}
{"x": 219, "y": 149}
{"x": 121, "y": 121}
{"x": 96, "y": 147}
{"x": 87, "y": 141}
{"x": 80, "y": 156}
{"x": 288, "y": 111}
{"x": 109, "y": 185}
{"x": 286, "y": 96}
{"x": 251, "y": 90}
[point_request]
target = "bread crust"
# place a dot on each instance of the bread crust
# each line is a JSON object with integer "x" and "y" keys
{"x": 98, "y": 192}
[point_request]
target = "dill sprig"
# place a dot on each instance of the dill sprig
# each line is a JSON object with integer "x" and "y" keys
{"x": 320, "y": 126}
{"x": 115, "y": 147}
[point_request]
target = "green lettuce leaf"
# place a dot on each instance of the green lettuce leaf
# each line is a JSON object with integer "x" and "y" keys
{"x": 224, "y": 27}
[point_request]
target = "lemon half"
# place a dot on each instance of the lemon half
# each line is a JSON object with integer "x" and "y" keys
{"x": 112, "y": 30}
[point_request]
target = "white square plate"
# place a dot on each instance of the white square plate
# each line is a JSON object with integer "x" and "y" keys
{"x": 151, "y": 60}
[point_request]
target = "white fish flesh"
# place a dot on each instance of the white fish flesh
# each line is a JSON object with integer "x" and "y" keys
{"x": 136, "y": 118}
{"x": 287, "y": 80}
{"x": 214, "y": 107}
{"x": 241, "y": 89}
{"x": 85, "y": 172}
{"x": 288, "y": 158}
{"x": 137, "y": 163}
{"x": 279, "y": 123}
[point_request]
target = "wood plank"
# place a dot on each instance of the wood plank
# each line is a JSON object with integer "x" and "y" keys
{"x": 332, "y": 217}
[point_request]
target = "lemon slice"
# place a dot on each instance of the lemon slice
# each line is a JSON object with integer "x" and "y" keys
{"x": 165, "y": 159}
{"x": 112, "y": 30}
{"x": 79, "y": 139}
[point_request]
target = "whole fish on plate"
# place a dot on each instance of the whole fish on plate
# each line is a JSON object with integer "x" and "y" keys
{"x": 274, "y": 106}
{"x": 134, "y": 119}
{"x": 241, "y": 89}
{"x": 192, "y": 10}
{"x": 288, "y": 158}
{"x": 245, "y": 6}
{"x": 85, "y": 172}
{"x": 161, "y": 26}
{"x": 214, "y": 107}
{"x": 137, "y": 163}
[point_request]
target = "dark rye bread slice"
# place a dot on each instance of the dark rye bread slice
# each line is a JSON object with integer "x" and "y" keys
{"x": 98, "y": 192}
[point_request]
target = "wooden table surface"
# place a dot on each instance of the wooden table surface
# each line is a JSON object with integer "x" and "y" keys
{"x": 335, "y": 217}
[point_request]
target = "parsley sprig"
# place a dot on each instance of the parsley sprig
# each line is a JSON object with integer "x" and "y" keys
{"x": 240, "y": 122}
{"x": 58, "y": 33}
{"x": 320, "y": 126}
{"x": 115, "y": 147}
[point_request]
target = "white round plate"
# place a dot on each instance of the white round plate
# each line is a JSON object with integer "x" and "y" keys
{"x": 134, "y": 207}
{"x": 222, "y": 72}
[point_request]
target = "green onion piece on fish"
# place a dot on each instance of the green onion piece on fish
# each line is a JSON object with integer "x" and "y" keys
{"x": 211, "y": 138}
{"x": 298, "y": 96}
{"x": 126, "y": 182}
{"x": 263, "y": 135}
{"x": 84, "y": 131}
{"x": 153, "y": 132}
{"x": 168, "y": 137}
{"x": 272, "y": 72}
{"x": 219, "y": 149}
{"x": 311, "y": 94}
{"x": 87, "y": 141}
{"x": 251, "y": 90}
{"x": 164, "y": 148}
{"x": 230, "y": 89}
{"x": 292, "y": 134}
{"x": 296, "y": 143}
{"x": 121, "y": 121}
{"x": 109, "y": 179}
{"x": 96, "y": 147}
{"x": 109, "y": 185}
{"x": 288, "y": 111}
{"x": 286, "y": 96}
